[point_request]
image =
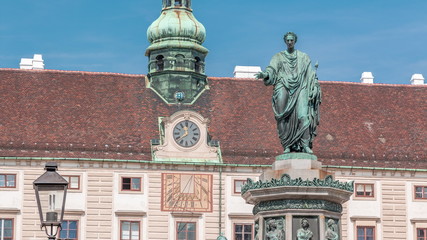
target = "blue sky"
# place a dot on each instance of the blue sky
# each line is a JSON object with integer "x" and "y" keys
{"x": 346, "y": 37}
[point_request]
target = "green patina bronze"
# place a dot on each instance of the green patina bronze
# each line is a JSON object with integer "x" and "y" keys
{"x": 176, "y": 55}
{"x": 296, "y": 96}
{"x": 297, "y": 204}
{"x": 274, "y": 228}
{"x": 289, "y": 156}
{"x": 286, "y": 180}
{"x": 332, "y": 231}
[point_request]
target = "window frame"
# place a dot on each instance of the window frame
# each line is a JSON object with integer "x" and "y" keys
{"x": 364, "y": 191}
{"x": 425, "y": 233}
{"x": 130, "y": 230}
{"x": 130, "y": 190}
{"x": 77, "y": 229}
{"x": 5, "y": 180}
{"x": 243, "y": 233}
{"x": 13, "y": 227}
{"x": 234, "y": 185}
{"x": 364, "y": 231}
{"x": 423, "y": 192}
{"x": 186, "y": 222}
{"x": 68, "y": 177}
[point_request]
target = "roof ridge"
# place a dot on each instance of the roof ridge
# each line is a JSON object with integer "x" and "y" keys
{"x": 323, "y": 82}
{"x": 70, "y": 71}
{"x": 372, "y": 84}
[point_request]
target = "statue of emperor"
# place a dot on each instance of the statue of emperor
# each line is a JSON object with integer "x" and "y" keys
{"x": 296, "y": 96}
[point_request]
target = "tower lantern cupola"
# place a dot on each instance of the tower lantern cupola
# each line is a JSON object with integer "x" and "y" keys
{"x": 176, "y": 55}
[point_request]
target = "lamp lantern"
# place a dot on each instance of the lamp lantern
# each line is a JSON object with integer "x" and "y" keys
{"x": 51, "y": 192}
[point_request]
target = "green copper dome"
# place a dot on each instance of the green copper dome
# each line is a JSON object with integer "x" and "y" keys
{"x": 176, "y": 64}
{"x": 176, "y": 23}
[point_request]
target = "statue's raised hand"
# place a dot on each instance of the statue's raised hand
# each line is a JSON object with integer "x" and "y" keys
{"x": 261, "y": 75}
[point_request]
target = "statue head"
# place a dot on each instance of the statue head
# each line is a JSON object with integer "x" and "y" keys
{"x": 272, "y": 224}
{"x": 290, "y": 39}
{"x": 290, "y": 34}
{"x": 331, "y": 222}
{"x": 304, "y": 223}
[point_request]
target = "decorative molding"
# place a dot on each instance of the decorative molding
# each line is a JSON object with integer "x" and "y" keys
{"x": 121, "y": 213}
{"x": 240, "y": 216}
{"x": 418, "y": 220}
{"x": 10, "y": 210}
{"x": 75, "y": 212}
{"x": 186, "y": 214}
{"x": 297, "y": 204}
{"x": 365, "y": 218}
{"x": 286, "y": 180}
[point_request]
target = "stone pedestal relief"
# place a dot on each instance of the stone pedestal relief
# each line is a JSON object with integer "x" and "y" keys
{"x": 297, "y": 200}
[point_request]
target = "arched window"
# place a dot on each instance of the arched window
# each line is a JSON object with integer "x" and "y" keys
{"x": 197, "y": 65}
{"x": 160, "y": 64}
{"x": 178, "y": 3}
{"x": 179, "y": 60}
{"x": 188, "y": 4}
{"x": 166, "y": 3}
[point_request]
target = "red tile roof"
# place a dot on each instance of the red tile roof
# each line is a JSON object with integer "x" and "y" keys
{"x": 50, "y": 113}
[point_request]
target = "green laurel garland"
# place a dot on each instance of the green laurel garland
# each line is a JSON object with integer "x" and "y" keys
{"x": 286, "y": 180}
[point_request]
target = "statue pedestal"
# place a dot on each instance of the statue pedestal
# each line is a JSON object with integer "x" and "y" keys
{"x": 296, "y": 165}
{"x": 296, "y": 192}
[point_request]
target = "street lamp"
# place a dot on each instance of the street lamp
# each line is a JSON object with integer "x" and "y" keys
{"x": 51, "y": 191}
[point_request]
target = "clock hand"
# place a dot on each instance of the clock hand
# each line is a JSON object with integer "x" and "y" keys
{"x": 183, "y": 135}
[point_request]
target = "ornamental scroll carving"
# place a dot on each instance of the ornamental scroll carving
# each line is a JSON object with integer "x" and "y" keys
{"x": 286, "y": 180}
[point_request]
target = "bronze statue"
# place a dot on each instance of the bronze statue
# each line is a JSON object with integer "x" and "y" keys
{"x": 331, "y": 232}
{"x": 273, "y": 231}
{"x": 304, "y": 233}
{"x": 296, "y": 96}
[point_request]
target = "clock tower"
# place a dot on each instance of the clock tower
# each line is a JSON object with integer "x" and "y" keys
{"x": 176, "y": 68}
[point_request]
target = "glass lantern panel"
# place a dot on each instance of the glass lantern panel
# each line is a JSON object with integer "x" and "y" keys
{"x": 51, "y": 203}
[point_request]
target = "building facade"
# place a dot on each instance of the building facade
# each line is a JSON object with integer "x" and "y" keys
{"x": 164, "y": 155}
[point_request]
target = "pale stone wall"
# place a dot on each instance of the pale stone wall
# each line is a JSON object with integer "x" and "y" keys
{"x": 393, "y": 211}
{"x": 99, "y": 205}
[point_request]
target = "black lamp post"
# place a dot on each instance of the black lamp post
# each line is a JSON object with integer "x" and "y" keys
{"x": 51, "y": 191}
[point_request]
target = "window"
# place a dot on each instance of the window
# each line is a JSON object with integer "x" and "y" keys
{"x": 178, "y": 2}
{"x": 69, "y": 230}
{"x": 131, "y": 184}
{"x": 179, "y": 60}
{"x": 7, "y": 180}
{"x": 197, "y": 65}
{"x": 160, "y": 64}
{"x": 242, "y": 231}
{"x": 73, "y": 182}
{"x": 186, "y": 231}
{"x": 365, "y": 233}
{"x": 6, "y": 229}
{"x": 129, "y": 230}
{"x": 238, "y": 185}
{"x": 364, "y": 190}
{"x": 421, "y": 233}
{"x": 420, "y": 192}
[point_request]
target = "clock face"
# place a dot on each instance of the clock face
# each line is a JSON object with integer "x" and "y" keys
{"x": 186, "y": 192}
{"x": 186, "y": 133}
